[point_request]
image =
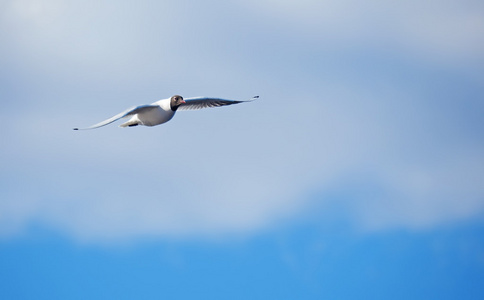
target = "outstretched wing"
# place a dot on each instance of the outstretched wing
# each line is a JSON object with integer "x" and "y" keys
{"x": 129, "y": 112}
{"x": 204, "y": 102}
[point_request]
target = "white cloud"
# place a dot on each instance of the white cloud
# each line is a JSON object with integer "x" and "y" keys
{"x": 238, "y": 169}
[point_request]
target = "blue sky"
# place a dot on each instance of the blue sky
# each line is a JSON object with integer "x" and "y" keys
{"x": 357, "y": 174}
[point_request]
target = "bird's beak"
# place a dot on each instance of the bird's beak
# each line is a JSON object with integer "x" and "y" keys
{"x": 183, "y": 101}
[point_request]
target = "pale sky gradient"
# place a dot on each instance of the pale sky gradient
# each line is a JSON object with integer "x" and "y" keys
{"x": 352, "y": 97}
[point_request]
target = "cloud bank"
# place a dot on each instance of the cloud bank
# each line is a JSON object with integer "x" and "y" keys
{"x": 374, "y": 110}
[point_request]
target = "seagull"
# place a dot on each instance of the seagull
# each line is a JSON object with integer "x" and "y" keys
{"x": 163, "y": 110}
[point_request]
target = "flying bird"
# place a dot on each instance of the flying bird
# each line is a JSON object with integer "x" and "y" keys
{"x": 163, "y": 110}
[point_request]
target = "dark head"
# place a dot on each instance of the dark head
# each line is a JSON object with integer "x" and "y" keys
{"x": 176, "y": 101}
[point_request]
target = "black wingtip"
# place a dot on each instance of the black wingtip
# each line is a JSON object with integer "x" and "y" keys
{"x": 75, "y": 128}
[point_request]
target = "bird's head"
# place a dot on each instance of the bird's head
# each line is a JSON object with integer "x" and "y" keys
{"x": 176, "y": 101}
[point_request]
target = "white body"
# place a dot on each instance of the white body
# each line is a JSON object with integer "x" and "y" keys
{"x": 159, "y": 114}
